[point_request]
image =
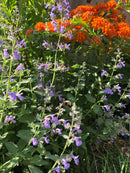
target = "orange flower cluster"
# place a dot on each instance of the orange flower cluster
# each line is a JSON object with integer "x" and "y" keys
{"x": 104, "y": 16}
{"x": 95, "y": 41}
{"x": 40, "y": 26}
{"x": 28, "y": 32}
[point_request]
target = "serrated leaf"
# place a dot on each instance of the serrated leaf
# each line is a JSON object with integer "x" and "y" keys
{"x": 97, "y": 109}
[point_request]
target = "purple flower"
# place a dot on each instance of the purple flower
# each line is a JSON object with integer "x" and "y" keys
{"x": 122, "y": 105}
{"x": 1, "y": 42}
{"x": 67, "y": 46}
{"x": 1, "y": 68}
{"x": 112, "y": 139}
{"x": 40, "y": 85}
{"x": 103, "y": 72}
{"x": 66, "y": 164}
{"x": 121, "y": 76}
{"x": 22, "y": 43}
{"x": 12, "y": 96}
{"x": 60, "y": 97}
{"x": 53, "y": 8}
{"x": 121, "y": 64}
{"x": 52, "y": 15}
{"x": 70, "y": 36}
{"x": 55, "y": 27}
{"x": 59, "y": 131}
{"x": 108, "y": 91}
{"x": 11, "y": 80}
{"x": 57, "y": 169}
{"x": 104, "y": 98}
{"x": 45, "y": 43}
{"x": 5, "y": 52}
{"x": 78, "y": 142}
{"x": 107, "y": 107}
{"x": 47, "y": 124}
{"x": 118, "y": 88}
{"x": 47, "y": 5}
{"x": 59, "y": 7}
{"x": 62, "y": 30}
{"x": 20, "y": 66}
{"x": 55, "y": 119}
{"x": 16, "y": 54}
{"x": 46, "y": 139}
{"x": 34, "y": 141}
{"x": 9, "y": 119}
{"x": 21, "y": 98}
{"x": 76, "y": 159}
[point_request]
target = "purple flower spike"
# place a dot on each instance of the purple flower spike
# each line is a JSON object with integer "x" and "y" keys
{"x": 5, "y": 52}
{"x": 76, "y": 159}
{"x": 34, "y": 142}
{"x": 55, "y": 119}
{"x": 78, "y": 142}
{"x": 62, "y": 30}
{"x": 118, "y": 88}
{"x": 46, "y": 139}
{"x": 66, "y": 164}
{"x": 9, "y": 119}
{"x": 47, "y": 124}
{"x": 21, "y": 98}
{"x": 121, "y": 64}
{"x": 16, "y": 54}
{"x": 12, "y": 96}
{"x": 57, "y": 169}
{"x": 20, "y": 66}
{"x": 108, "y": 91}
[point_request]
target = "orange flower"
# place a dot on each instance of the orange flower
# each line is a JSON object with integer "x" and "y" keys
{"x": 123, "y": 30}
{"x": 81, "y": 37}
{"x": 40, "y": 26}
{"x": 111, "y": 4}
{"x": 81, "y": 9}
{"x": 28, "y": 32}
{"x": 95, "y": 40}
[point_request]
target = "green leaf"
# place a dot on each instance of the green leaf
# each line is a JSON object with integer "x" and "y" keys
{"x": 69, "y": 89}
{"x": 34, "y": 169}
{"x": 97, "y": 109}
{"x": 38, "y": 161}
{"x": 9, "y": 164}
{"x": 70, "y": 97}
{"x": 50, "y": 156}
{"x": 100, "y": 121}
{"x": 11, "y": 147}
{"x": 90, "y": 98}
{"x": 75, "y": 66}
{"x": 25, "y": 135}
{"x": 3, "y": 136}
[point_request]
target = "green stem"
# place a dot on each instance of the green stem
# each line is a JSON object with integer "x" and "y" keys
{"x": 53, "y": 78}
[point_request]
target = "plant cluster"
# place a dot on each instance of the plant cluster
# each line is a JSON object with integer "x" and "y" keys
{"x": 59, "y": 98}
